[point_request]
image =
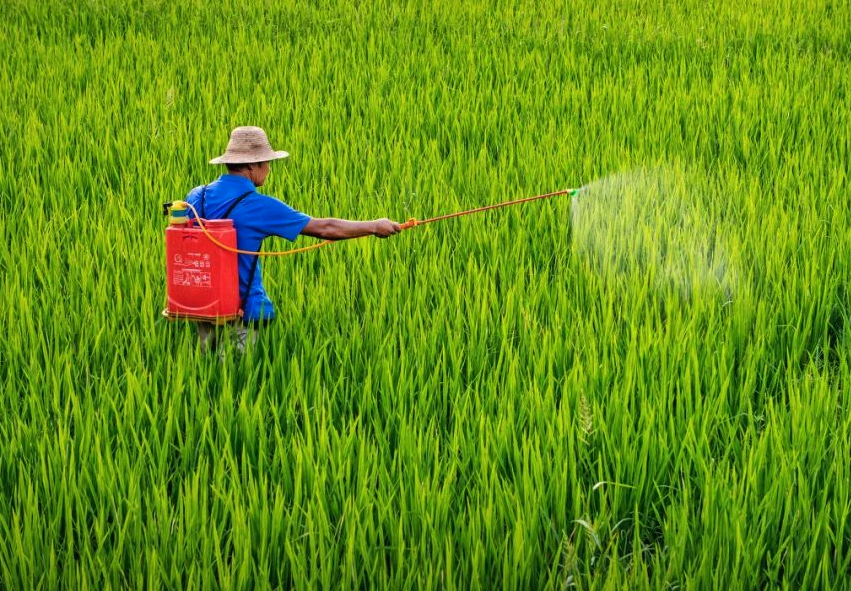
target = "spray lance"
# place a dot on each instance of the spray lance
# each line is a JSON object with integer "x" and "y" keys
{"x": 201, "y": 259}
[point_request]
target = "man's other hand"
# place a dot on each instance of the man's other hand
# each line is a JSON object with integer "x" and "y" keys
{"x": 384, "y": 228}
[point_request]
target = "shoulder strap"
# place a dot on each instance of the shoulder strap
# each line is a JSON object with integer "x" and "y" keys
{"x": 204, "y": 202}
{"x": 236, "y": 202}
{"x": 253, "y": 271}
{"x": 233, "y": 205}
{"x": 250, "y": 281}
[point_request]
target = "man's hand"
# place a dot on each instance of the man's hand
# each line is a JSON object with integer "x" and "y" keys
{"x": 384, "y": 228}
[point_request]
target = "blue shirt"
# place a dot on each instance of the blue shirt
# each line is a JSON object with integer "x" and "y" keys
{"x": 256, "y": 217}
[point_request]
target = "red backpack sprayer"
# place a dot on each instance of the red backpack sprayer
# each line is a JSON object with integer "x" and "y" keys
{"x": 201, "y": 263}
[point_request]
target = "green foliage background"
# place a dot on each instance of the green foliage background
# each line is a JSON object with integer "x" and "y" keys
{"x": 474, "y": 404}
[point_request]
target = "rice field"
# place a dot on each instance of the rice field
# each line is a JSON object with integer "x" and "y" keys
{"x": 642, "y": 387}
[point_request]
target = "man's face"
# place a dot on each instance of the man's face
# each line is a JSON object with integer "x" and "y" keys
{"x": 259, "y": 172}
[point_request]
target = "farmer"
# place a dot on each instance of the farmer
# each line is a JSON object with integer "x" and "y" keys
{"x": 256, "y": 216}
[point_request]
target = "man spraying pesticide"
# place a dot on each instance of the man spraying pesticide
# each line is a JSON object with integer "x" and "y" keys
{"x": 212, "y": 255}
{"x": 201, "y": 259}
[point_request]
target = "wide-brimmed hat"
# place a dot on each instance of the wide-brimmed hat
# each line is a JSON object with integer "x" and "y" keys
{"x": 247, "y": 145}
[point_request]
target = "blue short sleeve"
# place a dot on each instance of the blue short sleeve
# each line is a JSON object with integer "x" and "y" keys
{"x": 193, "y": 198}
{"x": 272, "y": 217}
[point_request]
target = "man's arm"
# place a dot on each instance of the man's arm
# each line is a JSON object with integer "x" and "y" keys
{"x": 337, "y": 229}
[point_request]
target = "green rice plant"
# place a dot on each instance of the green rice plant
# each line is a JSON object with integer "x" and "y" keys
{"x": 641, "y": 388}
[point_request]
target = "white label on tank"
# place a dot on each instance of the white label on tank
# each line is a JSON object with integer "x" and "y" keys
{"x": 194, "y": 270}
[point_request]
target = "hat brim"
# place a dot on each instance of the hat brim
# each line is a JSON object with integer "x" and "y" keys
{"x": 249, "y": 158}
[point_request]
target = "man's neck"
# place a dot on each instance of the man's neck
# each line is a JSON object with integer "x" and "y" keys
{"x": 243, "y": 174}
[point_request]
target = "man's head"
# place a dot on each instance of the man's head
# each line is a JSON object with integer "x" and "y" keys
{"x": 248, "y": 154}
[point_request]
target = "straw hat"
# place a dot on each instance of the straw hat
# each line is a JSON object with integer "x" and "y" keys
{"x": 247, "y": 145}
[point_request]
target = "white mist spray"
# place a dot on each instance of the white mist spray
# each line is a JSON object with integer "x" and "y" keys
{"x": 658, "y": 223}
